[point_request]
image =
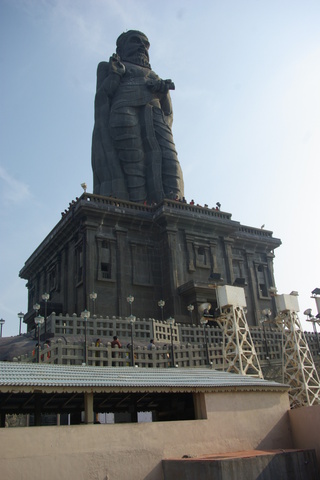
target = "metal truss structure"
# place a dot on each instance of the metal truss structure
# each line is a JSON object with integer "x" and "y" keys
{"x": 298, "y": 367}
{"x": 239, "y": 354}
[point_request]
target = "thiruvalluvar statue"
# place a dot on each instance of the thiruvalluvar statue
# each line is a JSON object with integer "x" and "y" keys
{"x": 133, "y": 152}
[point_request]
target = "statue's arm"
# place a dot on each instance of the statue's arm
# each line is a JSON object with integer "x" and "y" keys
{"x": 109, "y": 75}
{"x": 162, "y": 87}
{"x": 166, "y": 105}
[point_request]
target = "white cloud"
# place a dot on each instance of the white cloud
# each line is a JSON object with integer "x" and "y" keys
{"x": 87, "y": 25}
{"x": 13, "y": 190}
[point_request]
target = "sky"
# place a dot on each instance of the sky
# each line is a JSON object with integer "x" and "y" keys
{"x": 246, "y": 118}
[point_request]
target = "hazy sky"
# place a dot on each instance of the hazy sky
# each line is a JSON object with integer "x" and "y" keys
{"x": 246, "y": 118}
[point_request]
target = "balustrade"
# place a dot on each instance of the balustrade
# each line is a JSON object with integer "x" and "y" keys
{"x": 188, "y": 340}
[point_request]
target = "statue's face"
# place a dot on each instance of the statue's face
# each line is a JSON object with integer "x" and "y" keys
{"x": 135, "y": 49}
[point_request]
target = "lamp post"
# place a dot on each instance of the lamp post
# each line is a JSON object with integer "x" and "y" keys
{"x": 132, "y": 319}
{"x": 204, "y": 322}
{"x": 21, "y": 316}
{"x": 45, "y": 297}
{"x": 38, "y": 321}
{"x": 130, "y": 300}
{"x": 85, "y": 315}
{"x": 190, "y": 309}
{"x": 2, "y": 322}
{"x": 170, "y": 322}
{"x": 36, "y": 307}
{"x": 161, "y": 304}
{"x": 93, "y": 297}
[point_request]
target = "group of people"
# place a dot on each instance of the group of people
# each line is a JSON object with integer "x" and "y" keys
{"x": 217, "y": 207}
{"x": 46, "y": 346}
{"x": 115, "y": 342}
{"x": 176, "y": 198}
{"x": 71, "y": 205}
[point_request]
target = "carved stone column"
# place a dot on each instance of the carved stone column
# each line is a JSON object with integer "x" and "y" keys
{"x": 171, "y": 277}
{"x": 252, "y": 285}
{"x": 123, "y": 270}
{"x": 228, "y": 263}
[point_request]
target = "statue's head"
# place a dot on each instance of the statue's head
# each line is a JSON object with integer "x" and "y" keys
{"x": 133, "y": 46}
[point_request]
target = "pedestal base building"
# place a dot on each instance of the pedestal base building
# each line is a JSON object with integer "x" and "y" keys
{"x": 171, "y": 251}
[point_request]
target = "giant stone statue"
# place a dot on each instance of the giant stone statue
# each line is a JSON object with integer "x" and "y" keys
{"x": 133, "y": 153}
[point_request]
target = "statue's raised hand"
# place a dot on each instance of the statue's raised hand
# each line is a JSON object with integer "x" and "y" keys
{"x": 116, "y": 66}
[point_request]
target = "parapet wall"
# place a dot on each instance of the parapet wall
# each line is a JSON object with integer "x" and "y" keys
{"x": 235, "y": 421}
{"x": 188, "y": 341}
{"x": 305, "y": 426}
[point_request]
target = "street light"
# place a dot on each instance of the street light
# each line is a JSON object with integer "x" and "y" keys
{"x": 190, "y": 309}
{"x": 2, "y": 322}
{"x": 45, "y": 297}
{"x": 204, "y": 322}
{"x": 36, "y": 307}
{"x": 38, "y": 321}
{"x": 170, "y": 322}
{"x": 21, "y": 316}
{"x": 85, "y": 315}
{"x": 161, "y": 304}
{"x": 130, "y": 300}
{"x": 93, "y": 297}
{"x": 132, "y": 319}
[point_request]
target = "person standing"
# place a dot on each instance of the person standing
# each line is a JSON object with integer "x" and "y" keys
{"x": 115, "y": 342}
{"x": 151, "y": 345}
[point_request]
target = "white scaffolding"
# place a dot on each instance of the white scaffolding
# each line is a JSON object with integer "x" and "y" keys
{"x": 297, "y": 363}
{"x": 239, "y": 354}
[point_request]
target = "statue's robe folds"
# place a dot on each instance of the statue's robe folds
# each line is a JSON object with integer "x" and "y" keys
{"x": 133, "y": 152}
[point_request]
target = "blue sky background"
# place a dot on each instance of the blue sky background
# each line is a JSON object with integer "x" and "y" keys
{"x": 246, "y": 118}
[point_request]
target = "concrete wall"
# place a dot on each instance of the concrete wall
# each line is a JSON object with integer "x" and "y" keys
{"x": 235, "y": 421}
{"x": 279, "y": 464}
{"x": 305, "y": 425}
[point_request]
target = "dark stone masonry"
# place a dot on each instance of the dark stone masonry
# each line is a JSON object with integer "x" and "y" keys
{"x": 171, "y": 251}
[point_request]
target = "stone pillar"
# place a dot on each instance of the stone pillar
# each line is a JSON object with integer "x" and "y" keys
{"x": 270, "y": 273}
{"x": 170, "y": 279}
{"x": 88, "y": 408}
{"x": 252, "y": 283}
{"x": 229, "y": 266}
{"x": 91, "y": 264}
{"x": 85, "y": 268}
{"x": 65, "y": 294}
{"x": 213, "y": 256}
{"x": 190, "y": 253}
{"x": 123, "y": 265}
{"x": 271, "y": 280}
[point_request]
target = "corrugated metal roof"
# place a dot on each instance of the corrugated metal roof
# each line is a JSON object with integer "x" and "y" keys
{"x": 46, "y": 375}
